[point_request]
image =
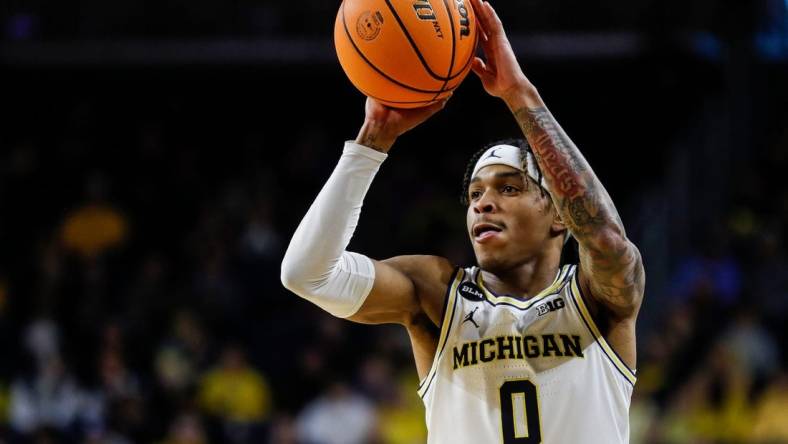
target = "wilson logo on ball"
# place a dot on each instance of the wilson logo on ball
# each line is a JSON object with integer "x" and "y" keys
{"x": 424, "y": 10}
{"x": 465, "y": 22}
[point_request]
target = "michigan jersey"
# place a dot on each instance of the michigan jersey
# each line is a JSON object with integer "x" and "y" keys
{"x": 524, "y": 371}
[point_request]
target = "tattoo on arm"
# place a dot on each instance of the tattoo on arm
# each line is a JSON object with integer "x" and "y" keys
{"x": 616, "y": 271}
{"x": 580, "y": 198}
{"x": 617, "y": 275}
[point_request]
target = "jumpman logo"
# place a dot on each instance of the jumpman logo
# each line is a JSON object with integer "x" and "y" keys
{"x": 492, "y": 154}
{"x": 469, "y": 317}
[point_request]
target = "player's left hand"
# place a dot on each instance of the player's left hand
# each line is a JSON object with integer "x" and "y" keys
{"x": 384, "y": 124}
{"x": 500, "y": 74}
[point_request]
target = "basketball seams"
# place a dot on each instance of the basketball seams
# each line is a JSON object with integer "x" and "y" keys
{"x": 371, "y": 65}
{"x": 453, "y": 48}
{"x": 413, "y": 44}
{"x": 472, "y": 54}
{"x": 416, "y": 48}
{"x": 415, "y": 102}
{"x": 378, "y": 71}
{"x": 468, "y": 62}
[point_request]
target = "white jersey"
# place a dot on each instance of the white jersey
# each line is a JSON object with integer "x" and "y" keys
{"x": 526, "y": 372}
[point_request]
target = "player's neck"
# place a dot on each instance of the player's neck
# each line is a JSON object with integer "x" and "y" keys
{"x": 524, "y": 281}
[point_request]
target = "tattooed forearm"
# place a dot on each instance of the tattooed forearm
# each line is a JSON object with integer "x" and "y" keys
{"x": 580, "y": 199}
{"x": 541, "y": 134}
{"x": 612, "y": 262}
{"x": 580, "y": 215}
{"x": 617, "y": 275}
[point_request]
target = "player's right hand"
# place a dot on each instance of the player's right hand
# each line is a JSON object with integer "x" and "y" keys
{"x": 384, "y": 124}
{"x": 500, "y": 73}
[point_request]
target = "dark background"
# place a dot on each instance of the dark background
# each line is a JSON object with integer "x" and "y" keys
{"x": 199, "y": 132}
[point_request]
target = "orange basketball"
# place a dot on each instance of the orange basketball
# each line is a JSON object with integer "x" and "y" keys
{"x": 405, "y": 53}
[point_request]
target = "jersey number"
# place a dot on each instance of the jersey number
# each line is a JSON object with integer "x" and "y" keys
{"x": 520, "y": 413}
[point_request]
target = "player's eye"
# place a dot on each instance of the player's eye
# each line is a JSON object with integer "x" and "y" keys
{"x": 509, "y": 189}
{"x": 475, "y": 194}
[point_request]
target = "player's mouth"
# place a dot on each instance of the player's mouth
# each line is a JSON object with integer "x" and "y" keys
{"x": 483, "y": 232}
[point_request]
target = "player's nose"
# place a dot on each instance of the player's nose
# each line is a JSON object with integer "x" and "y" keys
{"x": 485, "y": 204}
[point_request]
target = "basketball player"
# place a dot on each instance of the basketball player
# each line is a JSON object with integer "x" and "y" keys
{"x": 518, "y": 349}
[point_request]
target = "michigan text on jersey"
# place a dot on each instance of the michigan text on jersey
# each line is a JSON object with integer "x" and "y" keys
{"x": 517, "y": 347}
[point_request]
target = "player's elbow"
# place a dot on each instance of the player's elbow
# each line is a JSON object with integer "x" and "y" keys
{"x": 608, "y": 242}
{"x": 293, "y": 275}
{"x": 288, "y": 278}
{"x": 339, "y": 288}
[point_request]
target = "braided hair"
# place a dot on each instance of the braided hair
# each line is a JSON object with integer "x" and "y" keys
{"x": 525, "y": 151}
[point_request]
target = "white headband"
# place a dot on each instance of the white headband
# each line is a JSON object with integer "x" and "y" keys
{"x": 510, "y": 156}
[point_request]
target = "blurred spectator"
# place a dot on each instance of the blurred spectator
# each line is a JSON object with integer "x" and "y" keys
{"x": 339, "y": 416}
{"x": 375, "y": 378}
{"x": 181, "y": 355}
{"x": 42, "y": 340}
{"x": 283, "y": 431}
{"x": 186, "y": 429}
{"x": 237, "y": 394}
{"x": 118, "y": 383}
{"x": 712, "y": 406}
{"x": 401, "y": 417}
{"x": 96, "y": 226}
{"x": 51, "y": 398}
{"x": 106, "y": 437}
{"x": 751, "y": 346}
{"x": 769, "y": 424}
{"x": 260, "y": 240}
{"x": 714, "y": 274}
{"x": 769, "y": 287}
{"x": 643, "y": 418}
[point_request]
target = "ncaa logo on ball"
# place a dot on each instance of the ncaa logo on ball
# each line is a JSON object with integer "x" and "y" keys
{"x": 368, "y": 25}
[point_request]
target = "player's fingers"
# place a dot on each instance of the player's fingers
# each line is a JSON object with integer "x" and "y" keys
{"x": 489, "y": 54}
{"x": 476, "y": 5}
{"x": 492, "y": 19}
{"x": 481, "y": 69}
{"x": 482, "y": 16}
{"x": 484, "y": 41}
{"x": 437, "y": 106}
{"x": 483, "y": 35}
{"x": 478, "y": 66}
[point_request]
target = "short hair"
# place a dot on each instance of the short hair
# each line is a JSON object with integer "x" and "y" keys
{"x": 525, "y": 151}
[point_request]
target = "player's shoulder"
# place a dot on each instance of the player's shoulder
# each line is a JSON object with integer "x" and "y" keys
{"x": 424, "y": 269}
{"x": 432, "y": 276}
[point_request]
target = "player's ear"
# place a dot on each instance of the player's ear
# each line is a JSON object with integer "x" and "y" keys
{"x": 558, "y": 227}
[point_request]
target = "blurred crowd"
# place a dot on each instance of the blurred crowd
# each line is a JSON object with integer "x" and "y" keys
{"x": 715, "y": 368}
{"x": 145, "y": 305}
{"x": 140, "y": 298}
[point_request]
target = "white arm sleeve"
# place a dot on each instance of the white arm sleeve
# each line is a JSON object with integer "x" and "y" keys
{"x": 316, "y": 265}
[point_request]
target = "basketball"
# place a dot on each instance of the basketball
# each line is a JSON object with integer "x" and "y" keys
{"x": 405, "y": 53}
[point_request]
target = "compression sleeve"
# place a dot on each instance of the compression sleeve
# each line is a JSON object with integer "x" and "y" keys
{"x": 316, "y": 265}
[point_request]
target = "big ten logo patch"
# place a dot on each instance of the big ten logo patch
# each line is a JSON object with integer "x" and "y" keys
{"x": 549, "y": 306}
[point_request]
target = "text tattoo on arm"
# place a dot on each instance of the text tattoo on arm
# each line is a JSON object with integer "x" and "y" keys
{"x": 587, "y": 210}
{"x": 579, "y": 197}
